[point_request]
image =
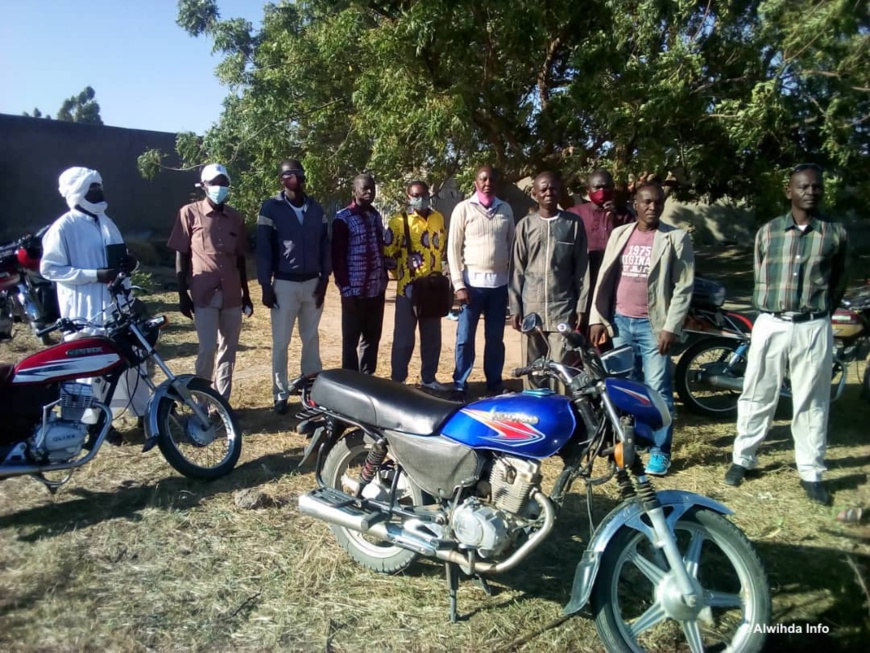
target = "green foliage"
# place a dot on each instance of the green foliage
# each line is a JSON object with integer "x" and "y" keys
{"x": 726, "y": 96}
{"x": 81, "y": 108}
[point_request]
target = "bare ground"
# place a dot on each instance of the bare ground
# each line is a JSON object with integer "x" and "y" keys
{"x": 130, "y": 556}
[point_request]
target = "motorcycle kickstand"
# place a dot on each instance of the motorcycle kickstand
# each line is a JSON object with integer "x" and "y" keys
{"x": 483, "y": 584}
{"x": 452, "y": 572}
{"x": 51, "y": 486}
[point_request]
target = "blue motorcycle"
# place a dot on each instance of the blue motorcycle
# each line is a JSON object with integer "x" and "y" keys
{"x": 402, "y": 474}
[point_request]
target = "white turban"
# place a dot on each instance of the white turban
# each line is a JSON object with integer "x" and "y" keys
{"x": 74, "y": 183}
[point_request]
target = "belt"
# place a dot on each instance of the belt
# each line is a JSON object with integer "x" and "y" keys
{"x": 290, "y": 276}
{"x": 797, "y": 318}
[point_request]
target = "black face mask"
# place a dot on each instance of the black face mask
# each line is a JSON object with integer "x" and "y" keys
{"x": 95, "y": 196}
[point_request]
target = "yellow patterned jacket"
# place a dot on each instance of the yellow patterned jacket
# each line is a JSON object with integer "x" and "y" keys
{"x": 428, "y": 244}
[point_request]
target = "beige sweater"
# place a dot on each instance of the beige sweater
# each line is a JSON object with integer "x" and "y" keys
{"x": 479, "y": 241}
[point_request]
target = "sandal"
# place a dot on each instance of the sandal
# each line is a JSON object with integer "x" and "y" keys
{"x": 851, "y": 516}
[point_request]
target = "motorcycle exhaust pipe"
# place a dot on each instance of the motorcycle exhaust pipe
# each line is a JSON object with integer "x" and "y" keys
{"x": 371, "y": 524}
{"x": 724, "y": 381}
{"x": 368, "y": 523}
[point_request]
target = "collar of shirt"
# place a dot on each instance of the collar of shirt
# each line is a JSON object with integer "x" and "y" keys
{"x": 208, "y": 209}
{"x": 492, "y": 208}
{"x": 354, "y": 208}
{"x": 304, "y": 206}
{"x": 790, "y": 223}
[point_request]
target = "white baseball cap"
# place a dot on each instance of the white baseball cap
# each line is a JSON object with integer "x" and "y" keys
{"x": 212, "y": 171}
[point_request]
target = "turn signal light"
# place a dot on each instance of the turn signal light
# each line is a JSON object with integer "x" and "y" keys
{"x": 618, "y": 455}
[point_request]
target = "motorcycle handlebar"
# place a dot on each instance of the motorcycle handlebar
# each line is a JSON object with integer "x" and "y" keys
{"x": 522, "y": 371}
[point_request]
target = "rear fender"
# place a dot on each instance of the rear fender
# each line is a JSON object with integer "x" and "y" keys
{"x": 630, "y": 515}
{"x": 165, "y": 391}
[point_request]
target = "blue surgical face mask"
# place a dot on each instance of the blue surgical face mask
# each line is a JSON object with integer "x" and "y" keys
{"x": 217, "y": 194}
{"x": 418, "y": 203}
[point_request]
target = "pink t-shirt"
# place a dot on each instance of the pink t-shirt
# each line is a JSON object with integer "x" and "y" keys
{"x": 631, "y": 291}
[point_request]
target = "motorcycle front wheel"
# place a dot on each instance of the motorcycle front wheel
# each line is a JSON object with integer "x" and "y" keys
{"x": 197, "y": 450}
{"x": 341, "y": 471}
{"x": 704, "y": 359}
{"x": 638, "y": 607}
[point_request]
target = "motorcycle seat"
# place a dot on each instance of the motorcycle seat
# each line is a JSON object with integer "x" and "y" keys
{"x": 381, "y": 403}
{"x": 6, "y": 373}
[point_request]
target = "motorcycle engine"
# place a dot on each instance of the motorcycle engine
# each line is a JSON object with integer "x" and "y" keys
{"x": 59, "y": 440}
{"x": 490, "y": 526}
{"x": 61, "y": 436}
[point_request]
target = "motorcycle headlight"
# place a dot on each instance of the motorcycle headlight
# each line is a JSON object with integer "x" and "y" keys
{"x": 151, "y": 328}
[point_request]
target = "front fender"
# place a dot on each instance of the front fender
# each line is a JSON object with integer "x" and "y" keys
{"x": 164, "y": 390}
{"x": 675, "y": 502}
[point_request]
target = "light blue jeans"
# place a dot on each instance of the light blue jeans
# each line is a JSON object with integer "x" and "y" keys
{"x": 650, "y": 367}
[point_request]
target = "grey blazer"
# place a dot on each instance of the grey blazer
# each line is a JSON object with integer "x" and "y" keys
{"x": 669, "y": 287}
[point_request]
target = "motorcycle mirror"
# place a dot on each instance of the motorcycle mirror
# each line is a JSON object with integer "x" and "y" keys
{"x": 531, "y": 322}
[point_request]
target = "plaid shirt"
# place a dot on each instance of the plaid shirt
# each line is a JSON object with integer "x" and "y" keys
{"x": 800, "y": 271}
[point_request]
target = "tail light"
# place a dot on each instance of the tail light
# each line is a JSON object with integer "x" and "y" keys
{"x": 27, "y": 260}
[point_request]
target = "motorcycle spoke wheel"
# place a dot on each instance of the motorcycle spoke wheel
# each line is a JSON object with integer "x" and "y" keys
{"x": 341, "y": 471}
{"x": 696, "y": 365}
{"x": 637, "y": 605}
{"x": 197, "y": 450}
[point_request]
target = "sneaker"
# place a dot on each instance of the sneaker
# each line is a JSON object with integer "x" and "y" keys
{"x": 495, "y": 392}
{"x": 816, "y": 492}
{"x": 281, "y": 407}
{"x": 734, "y": 475}
{"x": 658, "y": 465}
{"x": 458, "y": 395}
{"x": 435, "y": 386}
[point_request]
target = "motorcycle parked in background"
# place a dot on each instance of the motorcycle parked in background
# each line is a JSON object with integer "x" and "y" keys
{"x": 54, "y": 421}
{"x": 709, "y": 374}
{"x": 25, "y": 295}
{"x": 402, "y": 474}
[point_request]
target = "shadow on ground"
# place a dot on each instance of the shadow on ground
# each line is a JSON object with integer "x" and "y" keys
{"x": 171, "y": 492}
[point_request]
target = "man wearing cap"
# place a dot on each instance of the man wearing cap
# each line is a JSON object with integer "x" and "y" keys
{"x": 800, "y": 278}
{"x": 76, "y": 258}
{"x": 293, "y": 267}
{"x": 210, "y": 243}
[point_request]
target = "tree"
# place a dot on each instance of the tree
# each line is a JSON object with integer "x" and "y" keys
{"x": 81, "y": 108}
{"x": 727, "y": 94}
{"x": 36, "y": 113}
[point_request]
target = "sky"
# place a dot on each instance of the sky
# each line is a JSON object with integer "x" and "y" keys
{"x": 147, "y": 72}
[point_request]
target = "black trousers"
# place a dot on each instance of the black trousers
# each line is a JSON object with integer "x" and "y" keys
{"x": 362, "y": 320}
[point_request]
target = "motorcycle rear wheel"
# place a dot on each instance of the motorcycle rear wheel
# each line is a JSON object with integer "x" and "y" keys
{"x": 634, "y": 590}
{"x": 340, "y": 471}
{"x": 707, "y": 356}
{"x": 197, "y": 452}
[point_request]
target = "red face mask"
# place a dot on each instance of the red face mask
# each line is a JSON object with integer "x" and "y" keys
{"x": 601, "y": 195}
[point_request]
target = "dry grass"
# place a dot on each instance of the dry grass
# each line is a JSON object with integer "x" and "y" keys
{"x": 130, "y": 556}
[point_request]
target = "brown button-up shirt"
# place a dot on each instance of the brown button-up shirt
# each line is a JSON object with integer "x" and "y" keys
{"x": 214, "y": 239}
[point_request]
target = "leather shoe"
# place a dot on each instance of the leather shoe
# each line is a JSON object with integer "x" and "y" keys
{"x": 281, "y": 406}
{"x": 816, "y": 492}
{"x": 734, "y": 475}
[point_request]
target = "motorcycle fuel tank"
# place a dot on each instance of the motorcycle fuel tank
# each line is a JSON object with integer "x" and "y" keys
{"x": 74, "y": 359}
{"x": 533, "y": 424}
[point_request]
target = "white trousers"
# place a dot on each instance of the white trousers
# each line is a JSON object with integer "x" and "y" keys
{"x": 806, "y": 350}
{"x": 295, "y": 302}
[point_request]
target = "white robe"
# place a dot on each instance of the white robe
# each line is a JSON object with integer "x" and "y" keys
{"x": 74, "y": 248}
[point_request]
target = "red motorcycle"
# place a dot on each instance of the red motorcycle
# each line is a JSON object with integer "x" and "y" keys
{"x": 56, "y": 420}
{"x": 709, "y": 374}
{"x": 25, "y": 295}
